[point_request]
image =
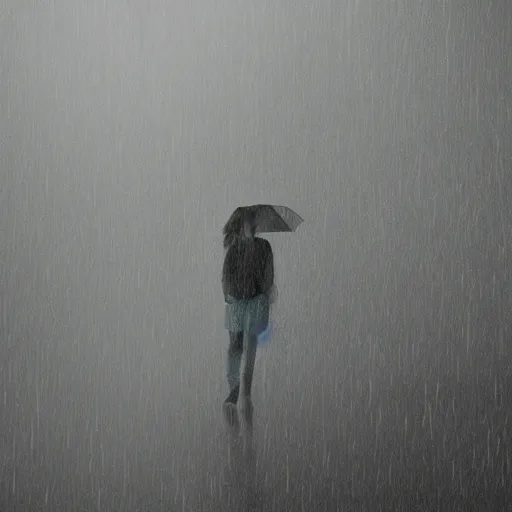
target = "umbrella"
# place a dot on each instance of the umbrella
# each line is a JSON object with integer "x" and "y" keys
{"x": 270, "y": 218}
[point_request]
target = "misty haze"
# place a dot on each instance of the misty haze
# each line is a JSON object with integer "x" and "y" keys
{"x": 129, "y": 133}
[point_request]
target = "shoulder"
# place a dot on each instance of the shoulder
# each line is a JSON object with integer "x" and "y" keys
{"x": 264, "y": 245}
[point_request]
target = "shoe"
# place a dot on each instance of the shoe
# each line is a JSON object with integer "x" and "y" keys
{"x": 231, "y": 417}
{"x": 233, "y": 396}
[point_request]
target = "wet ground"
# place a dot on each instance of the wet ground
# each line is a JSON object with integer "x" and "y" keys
{"x": 320, "y": 440}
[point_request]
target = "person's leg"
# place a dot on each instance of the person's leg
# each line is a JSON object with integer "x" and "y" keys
{"x": 235, "y": 352}
{"x": 251, "y": 344}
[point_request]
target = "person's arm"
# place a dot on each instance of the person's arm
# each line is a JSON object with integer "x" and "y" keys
{"x": 224, "y": 278}
{"x": 268, "y": 272}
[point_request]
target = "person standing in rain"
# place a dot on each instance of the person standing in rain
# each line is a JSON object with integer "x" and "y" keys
{"x": 247, "y": 283}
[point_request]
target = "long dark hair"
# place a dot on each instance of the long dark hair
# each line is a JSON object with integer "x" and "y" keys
{"x": 233, "y": 230}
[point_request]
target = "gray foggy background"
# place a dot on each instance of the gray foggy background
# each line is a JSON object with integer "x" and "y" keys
{"x": 129, "y": 131}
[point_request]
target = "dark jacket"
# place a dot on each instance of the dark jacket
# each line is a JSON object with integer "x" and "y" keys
{"x": 248, "y": 269}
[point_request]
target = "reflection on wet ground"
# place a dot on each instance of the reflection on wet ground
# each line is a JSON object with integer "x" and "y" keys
{"x": 417, "y": 443}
